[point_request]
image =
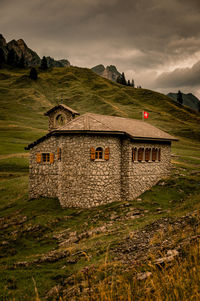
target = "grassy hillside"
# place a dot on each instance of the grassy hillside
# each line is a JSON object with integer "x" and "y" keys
{"x": 44, "y": 246}
{"x": 23, "y": 102}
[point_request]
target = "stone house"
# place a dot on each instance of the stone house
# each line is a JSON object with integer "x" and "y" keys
{"x": 94, "y": 159}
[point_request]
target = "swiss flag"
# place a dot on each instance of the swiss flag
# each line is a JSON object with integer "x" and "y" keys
{"x": 146, "y": 115}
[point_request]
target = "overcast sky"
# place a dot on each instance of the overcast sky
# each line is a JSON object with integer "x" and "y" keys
{"x": 156, "y": 42}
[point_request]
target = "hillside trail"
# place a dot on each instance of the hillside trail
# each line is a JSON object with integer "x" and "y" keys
{"x": 15, "y": 155}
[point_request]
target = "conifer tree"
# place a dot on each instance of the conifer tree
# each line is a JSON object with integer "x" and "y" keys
{"x": 44, "y": 65}
{"x": 33, "y": 74}
{"x": 123, "y": 79}
{"x": 179, "y": 97}
{"x": 128, "y": 83}
{"x": 133, "y": 83}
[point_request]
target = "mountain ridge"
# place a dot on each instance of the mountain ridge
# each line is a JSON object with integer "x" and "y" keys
{"x": 12, "y": 52}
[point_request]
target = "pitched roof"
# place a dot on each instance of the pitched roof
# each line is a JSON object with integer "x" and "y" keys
{"x": 61, "y": 106}
{"x": 133, "y": 127}
{"x": 104, "y": 124}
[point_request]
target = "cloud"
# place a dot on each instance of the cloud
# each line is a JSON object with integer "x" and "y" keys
{"x": 140, "y": 37}
{"x": 185, "y": 77}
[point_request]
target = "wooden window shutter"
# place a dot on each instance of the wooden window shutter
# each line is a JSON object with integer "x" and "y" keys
{"x": 51, "y": 158}
{"x": 92, "y": 153}
{"x": 38, "y": 158}
{"x": 106, "y": 155}
{"x": 159, "y": 154}
{"x": 140, "y": 154}
{"x": 59, "y": 153}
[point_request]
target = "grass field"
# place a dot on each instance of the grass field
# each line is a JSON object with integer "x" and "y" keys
{"x": 30, "y": 230}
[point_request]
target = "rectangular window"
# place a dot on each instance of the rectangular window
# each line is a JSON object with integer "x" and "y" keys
{"x": 45, "y": 157}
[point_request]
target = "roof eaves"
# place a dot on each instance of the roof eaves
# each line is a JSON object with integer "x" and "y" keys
{"x": 152, "y": 138}
{"x": 63, "y": 132}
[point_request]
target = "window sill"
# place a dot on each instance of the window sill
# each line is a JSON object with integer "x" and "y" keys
{"x": 99, "y": 160}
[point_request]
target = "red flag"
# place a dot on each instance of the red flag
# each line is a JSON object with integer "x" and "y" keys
{"x": 146, "y": 115}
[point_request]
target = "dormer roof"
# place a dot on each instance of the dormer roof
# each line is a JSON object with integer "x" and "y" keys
{"x": 63, "y": 107}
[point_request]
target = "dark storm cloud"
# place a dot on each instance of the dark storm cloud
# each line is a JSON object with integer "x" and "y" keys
{"x": 180, "y": 77}
{"x": 144, "y": 36}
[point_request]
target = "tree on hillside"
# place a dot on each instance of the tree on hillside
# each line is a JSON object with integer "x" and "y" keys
{"x": 21, "y": 63}
{"x": 179, "y": 97}
{"x": 44, "y": 65}
{"x": 123, "y": 79}
{"x": 133, "y": 83}
{"x": 128, "y": 83}
{"x": 33, "y": 74}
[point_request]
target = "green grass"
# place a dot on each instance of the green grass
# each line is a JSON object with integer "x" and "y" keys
{"x": 23, "y": 103}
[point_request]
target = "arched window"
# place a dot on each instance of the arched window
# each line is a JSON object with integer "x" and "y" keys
{"x": 134, "y": 154}
{"x": 154, "y": 154}
{"x": 99, "y": 153}
{"x": 147, "y": 154}
{"x": 140, "y": 154}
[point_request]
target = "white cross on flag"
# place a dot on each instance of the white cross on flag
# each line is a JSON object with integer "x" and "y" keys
{"x": 146, "y": 115}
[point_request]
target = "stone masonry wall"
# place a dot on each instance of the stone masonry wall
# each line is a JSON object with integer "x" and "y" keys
{"x": 138, "y": 177}
{"x": 80, "y": 182}
{"x": 86, "y": 183}
{"x": 43, "y": 177}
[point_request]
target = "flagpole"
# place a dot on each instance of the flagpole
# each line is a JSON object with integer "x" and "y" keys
{"x": 142, "y": 115}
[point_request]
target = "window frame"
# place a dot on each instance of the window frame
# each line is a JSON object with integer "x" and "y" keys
{"x": 99, "y": 150}
{"x": 47, "y": 158}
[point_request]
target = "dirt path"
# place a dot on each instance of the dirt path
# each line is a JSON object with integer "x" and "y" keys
{"x": 16, "y": 155}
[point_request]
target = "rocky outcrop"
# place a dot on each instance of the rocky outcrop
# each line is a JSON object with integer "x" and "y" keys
{"x": 12, "y": 52}
{"x": 3, "y": 50}
{"x": 20, "y": 48}
{"x": 110, "y": 72}
{"x": 60, "y": 63}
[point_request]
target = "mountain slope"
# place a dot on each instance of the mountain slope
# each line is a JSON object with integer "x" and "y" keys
{"x": 23, "y": 102}
{"x": 189, "y": 100}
